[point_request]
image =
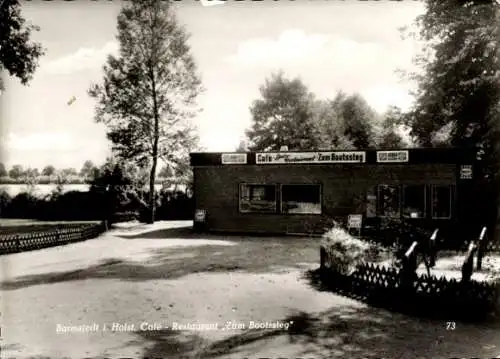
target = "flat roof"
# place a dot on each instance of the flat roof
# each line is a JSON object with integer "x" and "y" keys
{"x": 333, "y": 157}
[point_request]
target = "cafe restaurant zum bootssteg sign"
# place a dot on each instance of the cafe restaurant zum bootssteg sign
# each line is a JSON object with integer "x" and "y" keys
{"x": 310, "y": 157}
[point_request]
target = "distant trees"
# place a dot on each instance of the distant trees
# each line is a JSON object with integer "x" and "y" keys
{"x": 86, "y": 170}
{"x": 289, "y": 114}
{"x": 18, "y": 54}
{"x": 49, "y": 171}
{"x": 16, "y": 172}
{"x": 148, "y": 93}
{"x": 3, "y": 170}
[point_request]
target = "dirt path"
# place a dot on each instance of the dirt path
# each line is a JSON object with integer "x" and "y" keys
{"x": 163, "y": 274}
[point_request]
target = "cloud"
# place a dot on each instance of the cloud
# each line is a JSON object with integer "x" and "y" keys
{"x": 330, "y": 62}
{"x": 84, "y": 58}
{"x": 43, "y": 141}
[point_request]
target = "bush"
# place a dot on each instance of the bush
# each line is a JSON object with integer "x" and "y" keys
{"x": 343, "y": 253}
{"x": 5, "y": 200}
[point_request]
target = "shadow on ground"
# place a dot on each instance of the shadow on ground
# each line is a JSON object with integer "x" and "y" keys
{"x": 348, "y": 332}
{"x": 248, "y": 254}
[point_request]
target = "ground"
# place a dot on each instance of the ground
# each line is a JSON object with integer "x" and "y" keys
{"x": 163, "y": 274}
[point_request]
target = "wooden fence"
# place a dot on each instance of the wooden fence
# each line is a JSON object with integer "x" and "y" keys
{"x": 429, "y": 295}
{"x": 62, "y": 234}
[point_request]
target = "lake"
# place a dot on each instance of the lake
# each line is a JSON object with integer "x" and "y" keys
{"x": 44, "y": 189}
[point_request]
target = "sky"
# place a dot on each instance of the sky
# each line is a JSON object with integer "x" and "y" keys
{"x": 353, "y": 46}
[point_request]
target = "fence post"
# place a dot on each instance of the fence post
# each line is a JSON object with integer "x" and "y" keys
{"x": 408, "y": 272}
{"x": 433, "y": 248}
{"x": 482, "y": 246}
{"x": 468, "y": 265}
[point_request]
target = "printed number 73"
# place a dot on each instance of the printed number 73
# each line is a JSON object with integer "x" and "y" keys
{"x": 450, "y": 325}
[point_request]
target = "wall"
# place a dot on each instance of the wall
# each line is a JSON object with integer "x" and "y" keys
{"x": 343, "y": 186}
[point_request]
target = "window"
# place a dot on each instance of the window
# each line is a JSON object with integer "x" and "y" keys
{"x": 414, "y": 201}
{"x": 388, "y": 201}
{"x": 441, "y": 202}
{"x": 257, "y": 198}
{"x": 301, "y": 199}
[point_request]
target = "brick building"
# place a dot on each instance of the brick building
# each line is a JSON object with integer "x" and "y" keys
{"x": 294, "y": 192}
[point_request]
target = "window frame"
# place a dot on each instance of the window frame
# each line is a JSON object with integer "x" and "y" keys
{"x": 451, "y": 189}
{"x": 403, "y": 187}
{"x": 240, "y": 186}
{"x": 320, "y": 185}
{"x": 400, "y": 212}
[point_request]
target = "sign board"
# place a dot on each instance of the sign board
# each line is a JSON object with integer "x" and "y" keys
{"x": 200, "y": 215}
{"x": 392, "y": 156}
{"x": 310, "y": 157}
{"x": 466, "y": 172}
{"x": 234, "y": 158}
{"x": 354, "y": 221}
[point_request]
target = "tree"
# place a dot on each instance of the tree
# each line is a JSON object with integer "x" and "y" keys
{"x": 149, "y": 91}
{"x": 459, "y": 88}
{"x": 16, "y": 172}
{"x": 458, "y": 94}
{"x": 358, "y": 120}
{"x": 31, "y": 177}
{"x": 390, "y": 136}
{"x": 330, "y": 124}
{"x": 49, "y": 171}
{"x": 165, "y": 172}
{"x": 18, "y": 55}
{"x": 86, "y": 170}
{"x": 283, "y": 116}
{"x": 242, "y": 146}
{"x": 3, "y": 170}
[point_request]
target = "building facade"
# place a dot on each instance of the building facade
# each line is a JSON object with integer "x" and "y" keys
{"x": 295, "y": 192}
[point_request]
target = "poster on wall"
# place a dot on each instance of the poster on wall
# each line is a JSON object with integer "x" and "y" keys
{"x": 311, "y": 157}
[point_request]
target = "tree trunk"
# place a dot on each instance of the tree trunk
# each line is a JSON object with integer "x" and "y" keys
{"x": 154, "y": 152}
{"x": 152, "y": 197}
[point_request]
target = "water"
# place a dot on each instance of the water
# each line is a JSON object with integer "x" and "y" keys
{"x": 44, "y": 189}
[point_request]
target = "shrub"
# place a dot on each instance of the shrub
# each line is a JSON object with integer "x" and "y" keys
{"x": 5, "y": 200}
{"x": 345, "y": 252}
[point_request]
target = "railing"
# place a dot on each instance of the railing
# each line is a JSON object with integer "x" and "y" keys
{"x": 20, "y": 242}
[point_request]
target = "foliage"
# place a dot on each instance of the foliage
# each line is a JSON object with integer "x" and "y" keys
{"x": 31, "y": 176}
{"x": 390, "y": 135}
{"x": 3, "y": 170}
{"x": 358, "y": 121}
{"x": 346, "y": 252}
{"x": 5, "y": 200}
{"x": 87, "y": 169}
{"x": 18, "y": 55}
{"x": 458, "y": 86}
{"x": 283, "y": 116}
{"x": 148, "y": 93}
{"x": 242, "y": 146}
{"x": 49, "y": 171}
{"x": 330, "y": 125}
{"x": 16, "y": 172}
